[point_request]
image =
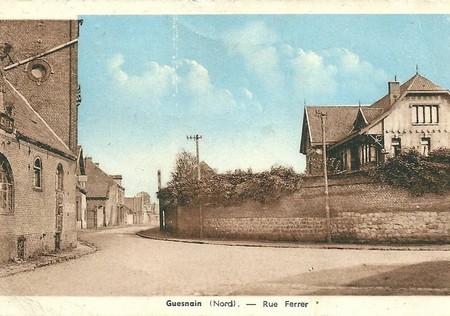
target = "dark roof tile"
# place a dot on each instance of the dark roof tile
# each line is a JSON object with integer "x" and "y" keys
{"x": 339, "y": 122}
{"x": 99, "y": 182}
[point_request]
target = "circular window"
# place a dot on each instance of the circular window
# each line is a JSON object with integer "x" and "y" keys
{"x": 38, "y": 70}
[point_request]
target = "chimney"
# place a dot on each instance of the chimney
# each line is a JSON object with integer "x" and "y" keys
{"x": 117, "y": 178}
{"x": 394, "y": 91}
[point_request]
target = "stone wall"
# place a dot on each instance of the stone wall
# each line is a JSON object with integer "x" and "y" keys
{"x": 401, "y": 227}
{"x": 280, "y": 229}
{"x": 361, "y": 211}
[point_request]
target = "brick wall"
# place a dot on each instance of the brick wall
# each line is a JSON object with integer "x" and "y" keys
{"x": 361, "y": 211}
{"x": 55, "y": 98}
{"x": 34, "y": 214}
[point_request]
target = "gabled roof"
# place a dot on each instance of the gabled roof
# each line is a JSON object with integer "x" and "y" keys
{"x": 30, "y": 126}
{"x": 99, "y": 183}
{"x": 420, "y": 83}
{"x": 339, "y": 122}
{"x": 205, "y": 170}
{"x": 370, "y": 114}
{"x": 416, "y": 83}
{"x": 345, "y": 122}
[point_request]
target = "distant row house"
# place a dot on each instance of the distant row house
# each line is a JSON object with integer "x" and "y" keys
{"x": 104, "y": 197}
{"x": 141, "y": 210}
{"x": 415, "y": 115}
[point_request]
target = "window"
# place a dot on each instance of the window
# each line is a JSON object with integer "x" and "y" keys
{"x": 425, "y": 146}
{"x": 38, "y": 70}
{"x": 396, "y": 146}
{"x": 425, "y": 114}
{"x": 59, "y": 178}
{"x": 368, "y": 153}
{"x": 37, "y": 169}
{"x": 6, "y": 186}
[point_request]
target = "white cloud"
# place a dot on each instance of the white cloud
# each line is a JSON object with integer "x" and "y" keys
{"x": 114, "y": 66}
{"x": 312, "y": 75}
{"x": 194, "y": 78}
{"x": 353, "y": 65}
{"x": 246, "y": 100}
{"x": 256, "y": 43}
{"x": 188, "y": 78}
{"x": 156, "y": 80}
{"x": 317, "y": 75}
{"x": 355, "y": 76}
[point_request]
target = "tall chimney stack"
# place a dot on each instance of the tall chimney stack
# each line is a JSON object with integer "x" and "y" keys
{"x": 394, "y": 91}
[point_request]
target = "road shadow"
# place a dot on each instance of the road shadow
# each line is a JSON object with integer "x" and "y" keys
{"x": 431, "y": 276}
{"x": 426, "y": 278}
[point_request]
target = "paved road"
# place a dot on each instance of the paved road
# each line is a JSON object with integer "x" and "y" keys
{"x": 127, "y": 265}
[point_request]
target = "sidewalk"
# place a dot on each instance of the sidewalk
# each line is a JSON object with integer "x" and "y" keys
{"x": 154, "y": 233}
{"x": 83, "y": 248}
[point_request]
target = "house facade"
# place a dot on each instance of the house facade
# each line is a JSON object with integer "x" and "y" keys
{"x": 415, "y": 114}
{"x": 104, "y": 197}
{"x": 38, "y": 136}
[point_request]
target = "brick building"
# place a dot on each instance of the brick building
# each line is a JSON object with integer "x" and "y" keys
{"x": 415, "y": 114}
{"x": 105, "y": 197}
{"x": 38, "y": 136}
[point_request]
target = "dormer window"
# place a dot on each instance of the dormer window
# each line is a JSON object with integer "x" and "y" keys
{"x": 425, "y": 114}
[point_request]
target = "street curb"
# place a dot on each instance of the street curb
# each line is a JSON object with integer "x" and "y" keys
{"x": 260, "y": 244}
{"x": 16, "y": 268}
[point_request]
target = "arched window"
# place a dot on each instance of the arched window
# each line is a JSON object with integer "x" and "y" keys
{"x": 59, "y": 178}
{"x": 6, "y": 186}
{"x": 37, "y": 168}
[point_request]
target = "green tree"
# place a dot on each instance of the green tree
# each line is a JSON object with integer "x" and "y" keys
{"x": 185, "y": 165}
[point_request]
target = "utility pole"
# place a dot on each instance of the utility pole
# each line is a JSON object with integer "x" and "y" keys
{"x": 200, "y": 211}
{"x": 196, "y": 138}
{"x": 323, "y": 115}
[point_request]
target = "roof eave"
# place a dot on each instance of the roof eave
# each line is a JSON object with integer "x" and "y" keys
{"x": 39, "y": 144}
{"x": 346, "y": 139}
{"x": 302, "y": 141}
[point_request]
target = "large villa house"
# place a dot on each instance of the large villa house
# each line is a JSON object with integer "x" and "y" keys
{"x": 415, "y": 114}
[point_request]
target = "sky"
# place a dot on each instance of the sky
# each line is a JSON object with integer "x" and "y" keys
{"x": 239, "y": 81}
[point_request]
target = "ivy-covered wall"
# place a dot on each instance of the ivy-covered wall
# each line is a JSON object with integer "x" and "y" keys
{"x": 361, "y": 211}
